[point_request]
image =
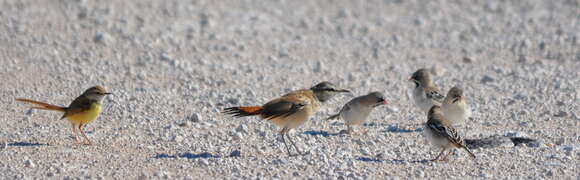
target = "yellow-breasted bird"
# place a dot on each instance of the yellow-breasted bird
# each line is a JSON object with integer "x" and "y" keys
{"x": 83, "y": 110}
{"x": 291, "y": 110}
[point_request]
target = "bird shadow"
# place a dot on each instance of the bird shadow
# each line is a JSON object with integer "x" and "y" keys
{"x": 397, "y": 129}
{"x": 203, "y": 155}
{"x": 27, "y": 144}
{"x": 501, "y": 141}
{"x": 321, "y": 133}
{"x": 391, "y": 161}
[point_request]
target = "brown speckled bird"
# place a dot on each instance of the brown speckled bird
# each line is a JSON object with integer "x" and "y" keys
{"x": 440, "y": 132}
{"x": 291, "y": 110}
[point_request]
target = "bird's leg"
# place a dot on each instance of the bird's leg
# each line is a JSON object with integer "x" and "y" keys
{"x": 85, "y": 135}
{"x": 448, "y": 153}
{"x": 284, "y": 140}
{"x": 295, "y": 147}
{"x": 440, "y": 153}
{"x": 74, "y": 129}
{"x": 349, "y": 129}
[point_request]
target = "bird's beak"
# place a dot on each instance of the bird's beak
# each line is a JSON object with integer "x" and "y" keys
{"x": 108, "y": 93}
{"x": 385, "y": 102}
{"x": 342, "y": 91}
{"x": 457, "y": 99}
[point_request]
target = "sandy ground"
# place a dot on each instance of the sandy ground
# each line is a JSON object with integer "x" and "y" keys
{"x": 173, "y": 65}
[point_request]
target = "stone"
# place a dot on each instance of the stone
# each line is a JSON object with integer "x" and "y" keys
{"x": 185, "y": 124}
{"x": 29, "y": 163}
{"x": 195, "y": 117}
{"x": 242, "y": 129}
{"x": 468, "y": 60}
{"x": 561, "y": 114}
{"x": 177, "y": 138}
{"x": 487, "y": 79}
{"x": 103, "y": 38}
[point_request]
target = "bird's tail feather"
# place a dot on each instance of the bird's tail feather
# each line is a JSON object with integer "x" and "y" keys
{"x": 469, "y": 151}
{"x": 243, "y": 111}
{"x": 42, "y": 105}
{"x": 335, "y": 116}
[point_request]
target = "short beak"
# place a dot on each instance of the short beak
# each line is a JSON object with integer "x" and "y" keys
{"x": 385, "y": 102}
{"x": 457, "y": 99}
{"x": 107, "y": 93}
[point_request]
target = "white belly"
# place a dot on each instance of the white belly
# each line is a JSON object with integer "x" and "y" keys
{"x": 456, "y": 113}
{"x": 422, "y": 101}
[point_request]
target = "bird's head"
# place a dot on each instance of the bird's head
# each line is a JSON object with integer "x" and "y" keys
{"x": 324, "y": 91}
{"x": 96, "y": 93}
{"x": 376, "y": 99}
{"x": 421, "y": 77}
{"x": 454, "y": 95}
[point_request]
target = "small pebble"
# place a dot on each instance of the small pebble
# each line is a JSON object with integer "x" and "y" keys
{"x": 468, "y": 60}
{"x": 238, "y": 136}
{"x": 185, "y": 124}
{"x": 195, "y": 117}
{"x": 561, "y": 114}
{"x": 203, "y": 161}
{"x": 29, "y": 163}
{"x": 487, "y": 79}
{"x": 319, "y": 67}
{"x": 103, "y": 38}
{"x": 177, "y": 138}
{"x": 242, "y": 129}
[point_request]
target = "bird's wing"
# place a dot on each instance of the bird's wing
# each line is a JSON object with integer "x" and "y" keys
{"x": 80, "y": 104}
{"x": 344, "y": 109}
{"x": 434, "y": 94}
{"x": 284, "y": 106}
{"x": 447, "y": 132}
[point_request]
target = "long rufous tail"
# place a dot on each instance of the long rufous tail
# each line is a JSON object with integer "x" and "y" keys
{"x": 43, "y": 106}
{"x": 243, "y": 111}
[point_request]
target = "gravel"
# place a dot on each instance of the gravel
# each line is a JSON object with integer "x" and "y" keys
{"x": 173, "y": 66}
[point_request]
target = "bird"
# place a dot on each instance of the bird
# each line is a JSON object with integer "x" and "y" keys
{"x": 455, "y": 107}
{"x": 82, "y": 111}
{"x": 356, "y": 111}
{"x": 425, "y": 93}
{"x": 441, "y": 133}
{"x": 291, "y": 110}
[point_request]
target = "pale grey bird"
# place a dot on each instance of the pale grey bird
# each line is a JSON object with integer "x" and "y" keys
{"x": 455, "y": 107}
{"x": 357, "y": 110}
{"x": 425, "y": 93}
{"x": 441, "y": 133}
